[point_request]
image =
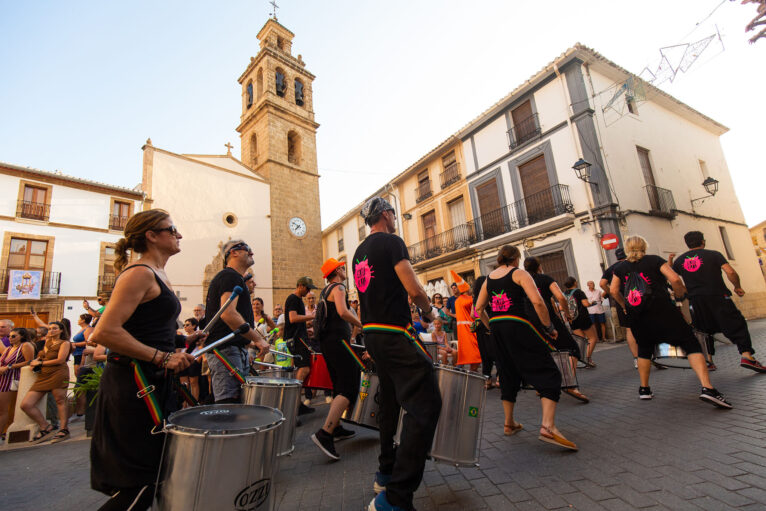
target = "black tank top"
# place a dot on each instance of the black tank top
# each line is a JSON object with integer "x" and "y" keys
{"x": 335, "y": 325}
{"x": 154, "y": 322}
{"x": 506, "y": 298}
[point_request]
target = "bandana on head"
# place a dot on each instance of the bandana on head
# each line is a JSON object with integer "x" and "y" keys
{"x": 375, "y": 206}
{"x": 462, "y": 285}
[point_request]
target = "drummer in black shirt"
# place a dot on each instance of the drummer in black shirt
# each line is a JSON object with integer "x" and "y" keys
{"x": 384, "y": 278}
{"x": 296, "y": 333}
{"x": 237, "y": 257}
{"x": 710, "y": 300}
{"x": 606, "y": 280}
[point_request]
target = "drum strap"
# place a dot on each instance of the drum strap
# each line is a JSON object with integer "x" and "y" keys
{"x": 353, "y": 355}
{"x": 508, "y": 317}
{"x": 232, "y": 370}
{"x": 409, "y": 332}
{"x": 146, "y": 392}
{"x": 184, "y": 391}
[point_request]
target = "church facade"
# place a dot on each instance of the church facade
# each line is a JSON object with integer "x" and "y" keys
{"x": 269, "y": 197}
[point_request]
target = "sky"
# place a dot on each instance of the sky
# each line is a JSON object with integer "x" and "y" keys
{"x": 83, "y": 84}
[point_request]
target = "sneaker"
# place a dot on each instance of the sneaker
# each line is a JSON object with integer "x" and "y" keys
{"x": 380, "y": 482}
{"x": 751, "y": 363}
{"x": 303, "y": 409}
{"x": 380, "y": 503}
{"x": 342, "y": 433}
{"x": 645, "y": 393}
{"x": 324, "y": 441}
{"x": 715, "y": 397}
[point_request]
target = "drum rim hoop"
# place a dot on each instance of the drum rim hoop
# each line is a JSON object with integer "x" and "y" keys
{"x": 252, "y": 381}
{"x": 459, "y": 370}
{"x": 170, "y": 427}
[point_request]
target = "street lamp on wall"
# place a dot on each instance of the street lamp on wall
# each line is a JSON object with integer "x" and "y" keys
{"x": 407, "y": 216}
{"x": 711, "y": 187}
{"x": 582, "y": 170}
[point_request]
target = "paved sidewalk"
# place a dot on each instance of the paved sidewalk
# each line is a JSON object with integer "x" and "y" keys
{"x": 674, "y": 452}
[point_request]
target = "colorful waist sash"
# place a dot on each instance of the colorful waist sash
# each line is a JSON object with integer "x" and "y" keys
{"x": 518, "y": 319}
{"x": 409, "y": 332}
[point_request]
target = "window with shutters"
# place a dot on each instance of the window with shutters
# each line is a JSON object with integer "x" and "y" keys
{"x": 34, "y": 202}
{"x": 120, "y": 212}
{"x": 451, "y": 173}
{"x": 491, "y": 220}
{"x": 554, "y": 264}
{"x": 537, "y": 202}
{"x": 525, "y": 124}
{"x": 424, "y": 186}
{"x": 341, "y": 245}
{"x": 27, "y": 254}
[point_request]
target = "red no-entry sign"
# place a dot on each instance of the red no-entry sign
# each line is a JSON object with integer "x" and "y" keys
{"x": 609, "y": 241}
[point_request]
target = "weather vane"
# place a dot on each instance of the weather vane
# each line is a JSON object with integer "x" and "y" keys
{"x": 274, "y": 9}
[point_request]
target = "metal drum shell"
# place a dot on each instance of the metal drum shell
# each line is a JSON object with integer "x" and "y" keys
{"x": 204, "y": 470}
{"x": 433, "y": 349}
{"x": 458, "y": 433}
{"x": 365, "y": 411}
{"x": 288, "y": 373}
{"x": 674, "y": 356}
{"x": 282, "y": 394}
{"x": 568, "y": 375}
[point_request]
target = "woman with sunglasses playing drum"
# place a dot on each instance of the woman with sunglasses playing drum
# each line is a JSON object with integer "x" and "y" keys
{"x": 521, "y": 349}
{"x": 138, "y": 327}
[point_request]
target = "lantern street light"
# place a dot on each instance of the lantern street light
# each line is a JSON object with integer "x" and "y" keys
{"x": 582, "y": 169}
{"x": 711, "y": 187}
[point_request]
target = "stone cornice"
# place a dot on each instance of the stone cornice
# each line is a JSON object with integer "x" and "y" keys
{"x": 287, "y": 60}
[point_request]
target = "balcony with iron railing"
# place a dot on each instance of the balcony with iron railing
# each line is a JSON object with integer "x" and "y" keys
{"x": 450, "y": 175}
{"x": 106, "y": 283}
{"x": 33, "y": 210}
{"x": 524, "y": 131}
{"x": 117, "y": 222}
{"x": 50, "y": 285}
{"x": 549, "y": 203}
{"x": 423, "y": 191}
{"x": 661, "y": 202}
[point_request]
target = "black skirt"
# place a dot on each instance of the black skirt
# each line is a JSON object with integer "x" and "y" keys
{"x": 124, "y": 453}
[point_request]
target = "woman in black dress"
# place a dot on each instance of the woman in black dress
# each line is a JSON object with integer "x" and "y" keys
{"x": 580, "y": 319}
{"x": 522, "y": 350}
{"x": 654, "y": 318}
{"x": 550, "y": 290}
{"x": 138, "y": 327}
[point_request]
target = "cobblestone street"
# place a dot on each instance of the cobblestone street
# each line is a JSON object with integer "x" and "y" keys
{"x": 674, "y": 452}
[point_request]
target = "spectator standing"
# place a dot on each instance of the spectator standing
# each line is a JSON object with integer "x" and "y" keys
{"x": 451, "y": 325}
{"x": 596, "y": 309}
{"x": 102, "y": 299}
{"x": 467, "y": 344}
{"x": 80, "y": 339}
{"x": 190, "y": 375}
{"x": 53, "y": 377}
{"x": 199, "y": 315}
{"x": 16, "y": 355}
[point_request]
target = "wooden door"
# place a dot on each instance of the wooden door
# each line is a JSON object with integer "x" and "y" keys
{"x": 23, "y": 320}
{"x": 429, "y": 231}
{"x": 489, "y": 208}
{"x": 536, "y": 188}
{"x": 554, "y": 265}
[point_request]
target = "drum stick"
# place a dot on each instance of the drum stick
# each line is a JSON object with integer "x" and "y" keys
{"x": 358, "y": 346}
{"x": 234, "y": 293}
{"x": 273, "y": 366}
{"x": 226, "y": 338}
{"x": 285, "y": 354}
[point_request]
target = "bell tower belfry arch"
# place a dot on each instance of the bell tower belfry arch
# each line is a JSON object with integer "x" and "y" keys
{"x": 278, "y": 140}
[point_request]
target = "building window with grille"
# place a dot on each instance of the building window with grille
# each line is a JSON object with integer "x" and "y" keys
{"x": 107, "y": 275}
{"x": 120, "y": 213}
{"x": 34, "y": 203}
{"x": 340, "y": 240}
{"x": 424, "y": 186}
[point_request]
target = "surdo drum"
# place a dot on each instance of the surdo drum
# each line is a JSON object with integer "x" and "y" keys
{"x": 366, "y": 407}
{"x": 458, "y": 432}
{"x": 674, "y": 356}
{"x": 563, "y": 361}
{"x": 219, "y": 457}
{"x": 279, "y": 393}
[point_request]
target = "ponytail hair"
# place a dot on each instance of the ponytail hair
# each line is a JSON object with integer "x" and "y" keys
{"x": 135, "y": 235}
{"x": 507, "y": 255}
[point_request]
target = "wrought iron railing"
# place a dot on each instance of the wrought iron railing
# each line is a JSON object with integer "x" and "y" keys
{"x": 661, "y": 202}
{"x": 450, "y": 175}
{"x": 423, "y": 190}
{"x": 50, "y": 285}
{"x": 33, "y": 210}
{"x": 534, "y": 208}
{"x": 525, "y": 130}
{"x": 117, "y": 222}
{"x": 106, "y": 283}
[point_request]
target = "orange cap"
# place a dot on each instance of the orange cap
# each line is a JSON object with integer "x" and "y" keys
{"x": 330, "y": 266}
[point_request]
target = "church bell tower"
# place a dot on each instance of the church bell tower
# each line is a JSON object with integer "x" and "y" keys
{"x": 278, "y": 140}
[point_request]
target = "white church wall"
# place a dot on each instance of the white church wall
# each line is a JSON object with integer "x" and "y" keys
{"x": 198, "y": 197}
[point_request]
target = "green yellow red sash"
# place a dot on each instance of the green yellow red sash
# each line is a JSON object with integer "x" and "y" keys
{"x": 518, "y": 319}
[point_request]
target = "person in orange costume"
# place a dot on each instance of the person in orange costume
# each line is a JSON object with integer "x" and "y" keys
{"x": 467, "y": 345}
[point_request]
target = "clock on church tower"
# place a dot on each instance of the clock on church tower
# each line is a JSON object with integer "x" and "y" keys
{"x": 278, "y": 140}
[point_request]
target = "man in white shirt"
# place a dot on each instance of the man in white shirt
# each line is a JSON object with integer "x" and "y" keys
{"x": 596, "y": 310}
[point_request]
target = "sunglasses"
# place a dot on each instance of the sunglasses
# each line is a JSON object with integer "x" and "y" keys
{"x": 172, "y": 230}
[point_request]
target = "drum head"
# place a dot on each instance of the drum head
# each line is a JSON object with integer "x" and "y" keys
{"x": 458, "y": 370}
{"x": 269, "y": 381}
{"x": 225, "y": 419}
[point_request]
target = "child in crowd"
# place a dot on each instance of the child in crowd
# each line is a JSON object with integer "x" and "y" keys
{"x": 439, "y": 336}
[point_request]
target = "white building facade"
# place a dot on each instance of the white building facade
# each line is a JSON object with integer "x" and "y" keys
{"x": 64, "y": 227}
{"x": 648, "y": 154}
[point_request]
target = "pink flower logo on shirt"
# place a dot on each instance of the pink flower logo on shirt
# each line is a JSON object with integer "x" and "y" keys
{"x": 692, "y": 264}
{"x": 363, "y": 274}
{"x": 634, "y": 297}
{"x": 500, "y": 302}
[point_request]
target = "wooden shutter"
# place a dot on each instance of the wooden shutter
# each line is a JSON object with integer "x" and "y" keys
{"x": 555, "y": 265}
{"x": 523, "y": 124}
{"x": 646, "y": 170}
{"x": 538, "y": 200}
{"x": 489, "y": 208}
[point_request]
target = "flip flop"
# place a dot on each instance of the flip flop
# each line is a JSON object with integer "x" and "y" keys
{"x": 513, "y": 429}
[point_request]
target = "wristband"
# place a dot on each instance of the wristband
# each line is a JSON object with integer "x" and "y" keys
{"x": 245, "y": 324}
{"x": 550, "y": 329}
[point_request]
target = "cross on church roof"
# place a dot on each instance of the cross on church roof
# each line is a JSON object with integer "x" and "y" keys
{"x": 228, "y": 147}
{"x": 274, "y": 9}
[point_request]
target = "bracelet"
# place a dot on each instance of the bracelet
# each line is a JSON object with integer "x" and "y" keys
{"x": 550, "y": 328}
{"x": 151, "y": 360}
{"x": 166, "y": 360}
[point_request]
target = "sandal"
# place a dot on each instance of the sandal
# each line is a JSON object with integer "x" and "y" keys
{"x": 512, "y": 429}
{"x": 575, "y": 393}
{"x": 546, "y": 435}
{"x": 62, "y": 435}
{"x": 42, "y": 434}
{"x": 488, "y": 385}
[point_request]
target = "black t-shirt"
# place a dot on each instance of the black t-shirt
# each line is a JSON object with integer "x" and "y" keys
{"x": 224, "y": 282}
{"x": 382, "y": 296}
{"x": 579, "y": 295}
{"x": 543, "y": 283}
{"x": 180, "y": 342}
{"x": 701, "y": 271}
{"x": 649, "y": 268}
{"x": 295, "y": 330}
